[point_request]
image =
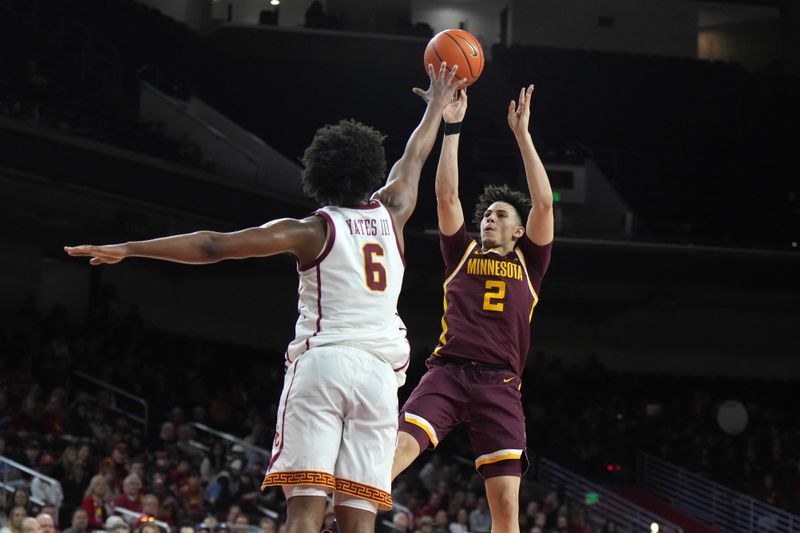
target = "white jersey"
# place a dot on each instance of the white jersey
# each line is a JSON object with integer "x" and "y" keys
{"x": 348, "y": 295}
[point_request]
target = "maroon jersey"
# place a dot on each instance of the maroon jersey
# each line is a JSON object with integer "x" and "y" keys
{"x": 489, "y": 300}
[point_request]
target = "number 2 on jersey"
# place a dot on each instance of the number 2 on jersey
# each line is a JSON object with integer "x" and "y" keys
{"x": 374, "y": 272}
{"x": 495, "y": 290}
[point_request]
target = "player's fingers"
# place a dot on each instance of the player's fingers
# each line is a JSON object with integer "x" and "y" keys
{"x": 96, "y": 261}
{"x": 442, "y": 70}
{"x": 431, "y": 74}
{"x": 419, "y": 92}
{"x": 511, "y": 108}
{"x": 76, "y": 250}
{"x": 463, "y": 95}
{"x": 452, "y": 74}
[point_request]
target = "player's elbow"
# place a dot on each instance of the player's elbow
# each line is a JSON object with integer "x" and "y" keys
{"x": 543, "y": 204}
{"x": 446, "y": 194}
{"x": 209, "y": 246}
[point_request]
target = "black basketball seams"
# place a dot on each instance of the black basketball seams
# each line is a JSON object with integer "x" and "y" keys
{"x": 466, "y": 58}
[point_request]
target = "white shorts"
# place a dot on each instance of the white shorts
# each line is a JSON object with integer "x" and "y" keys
{"x": 337, "y": 426}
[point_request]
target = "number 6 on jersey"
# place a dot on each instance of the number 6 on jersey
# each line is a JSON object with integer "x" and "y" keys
{"x": 374, "y": 271}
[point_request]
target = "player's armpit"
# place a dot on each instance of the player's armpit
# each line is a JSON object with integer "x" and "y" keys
{"x": 304, "y": 238}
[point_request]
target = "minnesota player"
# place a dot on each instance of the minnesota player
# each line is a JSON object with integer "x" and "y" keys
{"x": 337, "y": 417}
{"x": 490, "y": 291}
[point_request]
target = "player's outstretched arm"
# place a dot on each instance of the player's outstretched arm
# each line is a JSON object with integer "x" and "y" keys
{"x": 303, "y": 238}
{"x": 400, "y": 192}
{"x": 448, "y": 204}
{"x": 539, "y": 227}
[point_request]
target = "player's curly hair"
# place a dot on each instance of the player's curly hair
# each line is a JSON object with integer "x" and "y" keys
{"x": 344, "y": 163}
{"x": 502, "y": 193}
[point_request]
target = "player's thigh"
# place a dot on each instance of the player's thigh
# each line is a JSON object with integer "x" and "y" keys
{"x": 309, "y": 424}
{"x": 497, "y": 426}
{"x": 435, "y": 406}
{"x": 369, "y": 436}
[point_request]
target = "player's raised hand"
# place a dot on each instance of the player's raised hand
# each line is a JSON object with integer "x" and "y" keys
{"x": 100, "y": 255}
{"x": 519, "y": 113}
{"x": 443, "y": 87}
{"x": 457, "y": 108}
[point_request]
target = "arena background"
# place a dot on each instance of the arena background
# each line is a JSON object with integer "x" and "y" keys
{"x": 667, "y": 128}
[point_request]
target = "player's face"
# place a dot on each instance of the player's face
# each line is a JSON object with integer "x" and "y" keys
{"x": 500, "y": 225}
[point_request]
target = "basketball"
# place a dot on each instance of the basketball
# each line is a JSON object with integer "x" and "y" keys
{"x": 456, "y": 47}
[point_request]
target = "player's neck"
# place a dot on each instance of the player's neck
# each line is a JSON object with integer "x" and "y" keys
{"x": 363, "y": 202}
{"x": 501, "y": 249}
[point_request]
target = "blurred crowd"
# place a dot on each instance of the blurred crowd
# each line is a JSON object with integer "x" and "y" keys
{"x": 109, "y": 462}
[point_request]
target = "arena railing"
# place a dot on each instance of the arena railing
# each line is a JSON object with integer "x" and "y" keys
{"x": 132, "y": 516}
{"x": 116, "y": 393}
{"x": 629, "y": 517}
{"x": 723, "y": 508}
{"x": 229, "y": 156}
{"x": 10, "y": 485}
{"x": 233, "y": 439}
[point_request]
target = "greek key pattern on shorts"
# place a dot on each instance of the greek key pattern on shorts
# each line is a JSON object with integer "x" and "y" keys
{"x": 302, "y": 477}
{"x": 359, "y": 490}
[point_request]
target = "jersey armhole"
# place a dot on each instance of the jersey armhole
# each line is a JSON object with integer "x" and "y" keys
{"x": 330, "y": 236}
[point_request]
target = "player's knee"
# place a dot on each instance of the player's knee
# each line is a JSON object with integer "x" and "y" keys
{"x": 407, "y": 447}
{"x": 507, "y": 507}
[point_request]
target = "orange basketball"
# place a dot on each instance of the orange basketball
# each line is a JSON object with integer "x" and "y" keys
{"x": 456, "y": 47}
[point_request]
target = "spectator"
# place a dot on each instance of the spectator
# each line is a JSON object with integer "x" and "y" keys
{"x": 137, "y": 467}
{"x": 425, "y": 525}
{"x": 95, "y": 502}
{"x": 44, "y": 490}
{"x": 433, "y": 505}
{"x": 17, "y": 514}
{"x": 186, "y": 527}
{"x": 116, "y": 524}
{"x": 131, "y": 497}
{"x": 50, "y": 510}
{"x": 119, "y": 465}
{"x": 267, "y": 525}
{"x": 315, "y": 15}
{"x": 22, "y": 499}
{"x": 461, "y": 524}
{"x": 191, "y": 496}
{"x": 540, "y": 520}
{"x": 480, "y": 520}
{"x": 400, "y": 522}
{"x": 30, "y": 525}
{"x": 214, "y": 462}
{"x": 80, "y": 522}
{"x": 46, "y": 523}
{"x": 440, "y": 520}
{"x": 150, "y": 505}
{"x": 147, "y": 527}
{"x": 561, "y": 525}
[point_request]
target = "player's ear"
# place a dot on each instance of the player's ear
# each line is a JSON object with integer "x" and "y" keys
{"x": 519, "y": 232}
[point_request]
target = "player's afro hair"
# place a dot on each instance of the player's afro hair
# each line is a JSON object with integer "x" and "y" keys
{"x": 344, "y": 163}
{"x": 502, "y": 193}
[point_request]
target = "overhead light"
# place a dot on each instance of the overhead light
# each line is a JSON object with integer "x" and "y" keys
{"x": 275, "y": 2}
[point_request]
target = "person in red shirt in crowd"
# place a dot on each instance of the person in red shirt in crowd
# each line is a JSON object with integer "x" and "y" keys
{"x": 131, "y": 496}
{"x": 191, "y": 496}
{"x": 95, "y": 502}
{"x": 119, "y": 464}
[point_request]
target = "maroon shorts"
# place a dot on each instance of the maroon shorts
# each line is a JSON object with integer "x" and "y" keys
{"x": 486, "y": 399}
